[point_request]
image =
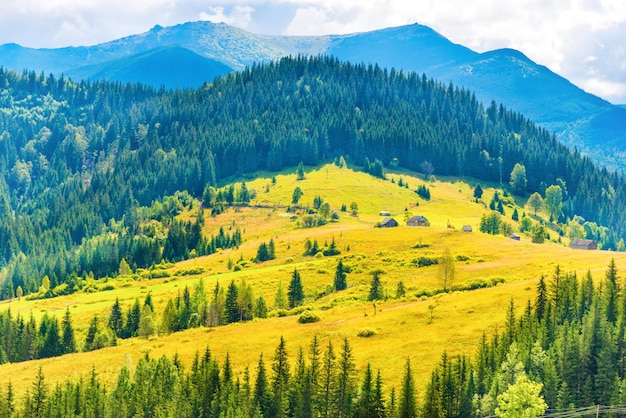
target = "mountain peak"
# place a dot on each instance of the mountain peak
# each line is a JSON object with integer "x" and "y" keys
{"x": 504, "y": 75}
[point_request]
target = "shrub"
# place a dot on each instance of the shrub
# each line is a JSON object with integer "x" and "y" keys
{"x": 425, "y": 261}
{"x": 189, "y": 271}
{"x": 366, "y": 333}
{"x": 307, "y": 317}
{"x": 158, "y": 274}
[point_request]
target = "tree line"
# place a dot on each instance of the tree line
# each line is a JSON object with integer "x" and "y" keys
{"x": 23, "y": 340}
{"x": 321, "y": 382}
{"x": 568, "y": 346}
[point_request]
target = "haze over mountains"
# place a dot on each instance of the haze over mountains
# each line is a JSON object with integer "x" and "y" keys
{"x": 189, "y": 54}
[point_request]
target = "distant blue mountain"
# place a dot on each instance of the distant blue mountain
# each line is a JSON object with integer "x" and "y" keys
{"x": 190, "y": 54}
{"x": 171, "y": 67}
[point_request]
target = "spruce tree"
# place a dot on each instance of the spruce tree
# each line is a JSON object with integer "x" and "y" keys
{"x": 340, "y": 277}
{"x": 262, "y": 393}
{"x": 407, "y": 405}
{"x": 280, "y": 383}
{"x": 345, "y": 389}
{"x": 231, "y": 307}
{"x": 69, "y": 342}
{"x": 91, "y": 334}
{"x": 376, "y": 287}
{"x": 365, "y": 402}
{"x": 327, "y": 383}
{"x": 478, "y": 192}
{"x": 116, "y": 320}
{"x": 295, "y": 292}
{"x": 39, "y": 396}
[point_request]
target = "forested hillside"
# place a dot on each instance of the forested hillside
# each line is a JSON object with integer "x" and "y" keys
{"x": 82, "y": 164}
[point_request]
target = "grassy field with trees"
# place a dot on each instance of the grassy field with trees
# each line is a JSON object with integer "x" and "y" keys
{"x": 412, "y": 316}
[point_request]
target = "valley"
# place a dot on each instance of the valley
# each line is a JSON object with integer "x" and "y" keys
{"x": 419, "y": 327}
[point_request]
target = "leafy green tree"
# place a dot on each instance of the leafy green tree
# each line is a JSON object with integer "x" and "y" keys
{"x": 576, "y": 230}
{"x": 446, "y": 269}
{"x": 147, "y": 326}
{"x": 354, "y": 209}
{"x": 521, "y": 400}
{"x": 554, "y": 201}
{"x": 518, "y": 179}
{"x": 525, "y": 224}
{"x": 295, "y": 292}
{"x": 300, "y": 171}
{"x": 535, "y": 201}
{"x": 539, "y": 234}
{"x": 297, "y": 195}
{"x": 490, "y": 224}
{"x": 124, "y": 269}
{"x": 209, "y": 195}
{"x": 280, "y": 298}
{"x": 324, "y": 210}
{"x": 245, "y": 301}
{"x": 169, "y": 320}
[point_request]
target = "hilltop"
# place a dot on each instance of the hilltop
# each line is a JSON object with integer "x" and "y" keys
{"x": 82, "y": 162}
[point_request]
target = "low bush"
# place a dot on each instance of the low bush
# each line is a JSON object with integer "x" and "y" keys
{"x": 308, "y": 317}
{"x": 366, "y": 333}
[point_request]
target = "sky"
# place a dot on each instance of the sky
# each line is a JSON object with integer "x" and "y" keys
{"x": 582, "y": 40}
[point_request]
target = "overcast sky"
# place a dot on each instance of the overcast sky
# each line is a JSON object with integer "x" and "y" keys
{"x": 583, "y": 40}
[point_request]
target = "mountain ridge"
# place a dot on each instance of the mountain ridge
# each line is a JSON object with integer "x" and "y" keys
{"x": 578, "y": 118}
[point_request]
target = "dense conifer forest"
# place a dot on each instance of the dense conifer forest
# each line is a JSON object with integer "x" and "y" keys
{"x": 85, "y": 167}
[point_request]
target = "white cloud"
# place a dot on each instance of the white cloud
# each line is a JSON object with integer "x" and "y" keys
{"x": 239, "y": 16}
{"x": 613, "y": 91}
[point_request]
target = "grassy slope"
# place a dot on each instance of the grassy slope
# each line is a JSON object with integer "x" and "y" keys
{"x": 403, "y": 326}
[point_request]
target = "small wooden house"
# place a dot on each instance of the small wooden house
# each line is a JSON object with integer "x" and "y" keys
{"x": 583, "y": 244}
{"x": 515, "y": 236}
{"x": 388, "y": 223}
{"x": 418, "y": 220}
{"x": 467, "y": 228}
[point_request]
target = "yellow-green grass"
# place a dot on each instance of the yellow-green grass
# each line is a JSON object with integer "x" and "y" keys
{"x": 403, "y": 327}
